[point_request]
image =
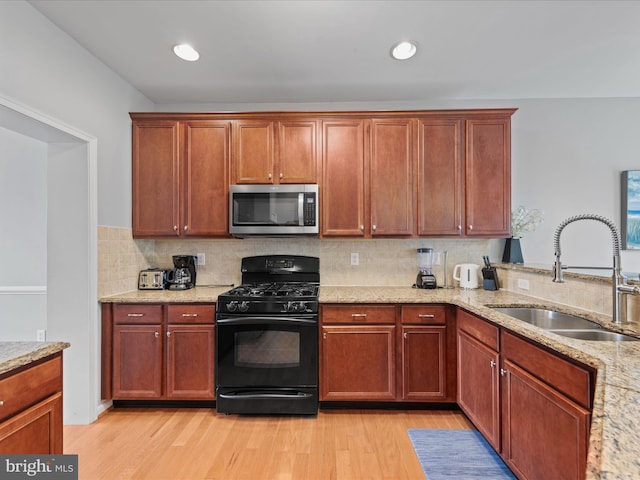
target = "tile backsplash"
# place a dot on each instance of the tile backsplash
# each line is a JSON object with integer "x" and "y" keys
{"x": 382, "y": 262}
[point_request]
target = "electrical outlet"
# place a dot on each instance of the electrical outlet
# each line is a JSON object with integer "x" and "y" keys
{"x": 201, "y": 259}
{"x": 41, "y": 335}
{"x": 523, "y": 284}
{"x": 355, "y": 259}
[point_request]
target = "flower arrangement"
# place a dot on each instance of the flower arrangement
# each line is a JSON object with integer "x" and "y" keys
{"x": 523, "y": 220}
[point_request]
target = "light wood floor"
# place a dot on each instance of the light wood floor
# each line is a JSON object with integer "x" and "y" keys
{"x": 198, "y": 444}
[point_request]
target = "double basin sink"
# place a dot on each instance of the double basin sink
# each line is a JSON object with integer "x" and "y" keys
{"x": 564, "y": 324}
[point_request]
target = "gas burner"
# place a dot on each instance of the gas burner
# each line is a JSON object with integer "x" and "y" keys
{"x": 276, "y": 289}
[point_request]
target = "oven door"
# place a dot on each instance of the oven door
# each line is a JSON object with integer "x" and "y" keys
{"x": 267, "y": 365}
{"x": 267, "y": 352}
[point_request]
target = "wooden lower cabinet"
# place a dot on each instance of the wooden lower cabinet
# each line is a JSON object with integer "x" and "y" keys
{"x": 31, "y": 410}
{"x": 478, "y": 386}
{"x": 163, "y": 351}
{"x": 532, "y": 405}
{"x": 385, "y": 353}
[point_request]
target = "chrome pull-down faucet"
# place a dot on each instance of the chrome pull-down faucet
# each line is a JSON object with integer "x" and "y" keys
{"x": 620, "y": 287}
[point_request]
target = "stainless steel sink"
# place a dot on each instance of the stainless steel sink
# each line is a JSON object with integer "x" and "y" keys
{"x": 548, "y": 319}
{"x": 564, "y": 324}
{"x": 598, "y": 335}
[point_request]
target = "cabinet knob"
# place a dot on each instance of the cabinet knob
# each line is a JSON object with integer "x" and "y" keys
{"x": 459, "y": 227}
{"x": 503, "y": 372}
{"x": 373, "y": 227}
{"x": 362, "y": 228}
{"x": 281, "y": 175}
{"x": 157, "y": 334}
{"x": 270, "y": 176}
{"x": 324, "y": 335}
{"x": 185, "y": 228}
{"x": 404, "y": 335}
{"x": 492, "y": 363}
{"x": 1, "y": 403}
{"x": 168, "y": 334}
{"x": 470, "y": 227}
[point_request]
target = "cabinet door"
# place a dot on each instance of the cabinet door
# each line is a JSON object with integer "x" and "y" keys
{"x": 190, "y": 362}
{"x": 545, "y": 435}
{"x": 137, "y": 361}
{"x": 297, "y": 152}
{"x": 343, "y": 163}
{"x": 478, "y": 386}
{"x": 488, "y": 177}
{"x": 440, "y": 181}
{"x": 391, "y": 177}
{"x": 155, "y": 178}
{"x": 253, "y": 151}
{"x": 206, "y": 178}
{"x": 424, "y": 363}
{"x": 358, "y": 363}
{"x": 37, "y": 430}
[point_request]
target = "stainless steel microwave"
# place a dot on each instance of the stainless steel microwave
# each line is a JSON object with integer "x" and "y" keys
{"x": 276, "y": 210}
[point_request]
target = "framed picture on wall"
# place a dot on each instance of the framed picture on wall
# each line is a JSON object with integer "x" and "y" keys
{"x": 630, "y": 210}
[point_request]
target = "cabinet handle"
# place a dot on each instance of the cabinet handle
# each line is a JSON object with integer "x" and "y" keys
{"x": 459, "y": 227}
{"x": 470, "y": 227}
{"x": 324, "y": 335}
{"x": 168, "y": 334}
{"x": 362, "y": 228}
{"x": 426, "y": 315}
{"x": 270, "y": 176}
{"x": 175, "y": 228}
{"x": 135, "y": 314}
{"x": 503, "y": 372}
{"x": 281, "y": 175}
{"x": 185, "y": 228}
{"x": 157, "y": 334}
{"x": 373, "y": 227}
{"x": 189, "y": 314}
{"x": 1, "y": 403}
{"x": 404, "y": 335}
{"x": 492, "y": 363}
{"x": 358, "y": 315}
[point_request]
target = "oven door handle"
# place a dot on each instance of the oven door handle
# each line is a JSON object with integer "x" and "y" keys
{"x": 266, "y": 321}
{"x": 261, "y": 395}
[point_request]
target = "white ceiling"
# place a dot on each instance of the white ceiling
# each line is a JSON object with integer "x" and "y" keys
{"x": 338, "y": 51}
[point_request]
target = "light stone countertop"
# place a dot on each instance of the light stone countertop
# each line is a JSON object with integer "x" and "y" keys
{"x": 614, "y": 452}
{"x": 17, "y": 354}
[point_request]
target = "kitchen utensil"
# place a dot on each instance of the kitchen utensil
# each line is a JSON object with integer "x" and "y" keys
{"x": 467, "y": 275}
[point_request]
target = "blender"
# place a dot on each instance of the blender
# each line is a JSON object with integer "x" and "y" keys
{"x": 426, "y": 278}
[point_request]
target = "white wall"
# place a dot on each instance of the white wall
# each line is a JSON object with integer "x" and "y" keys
{"x": 23, "y": 237}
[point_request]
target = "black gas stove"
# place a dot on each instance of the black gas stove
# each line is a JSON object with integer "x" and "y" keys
{"x": 267, "y": 338}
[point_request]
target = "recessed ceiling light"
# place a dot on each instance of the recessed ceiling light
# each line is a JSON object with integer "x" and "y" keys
{"x": 404, "y": 50}
{"x": 186, "y": 52}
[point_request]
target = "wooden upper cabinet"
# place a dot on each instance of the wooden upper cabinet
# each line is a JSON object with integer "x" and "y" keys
{"x": 391, "y": 177}
{"x": 488, "y": 177}
{"x": 155, "y": 178}
{"x": 298, "y": 147}
{"x": 343, "y": 163}
{"x": 253, "y": 151}
{"x": 268, "y": 151}
{"x": 180, "y": 177}
{"x": 206, "y": 178}
{"x": 440, "y": 181}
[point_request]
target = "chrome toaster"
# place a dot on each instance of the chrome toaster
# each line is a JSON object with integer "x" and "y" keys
{"x": 152, "y": 279}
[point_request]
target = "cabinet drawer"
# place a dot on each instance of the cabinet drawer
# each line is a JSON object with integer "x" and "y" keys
{"x": 186, "y": 313}
{"x": 358, "y": 314}
{"x": 21, "y": 390}
{"x": 483, "y": 331}
{"x": 424, "y": 314}
{"x": 566, "y": 377}
{"x": 137, "y": 313}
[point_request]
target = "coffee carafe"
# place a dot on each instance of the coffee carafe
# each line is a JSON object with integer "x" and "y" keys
{"x": 426, "y": 278}
{"x": 183, "y": 276}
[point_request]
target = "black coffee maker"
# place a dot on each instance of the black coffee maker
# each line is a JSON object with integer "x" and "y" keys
{"x": 183, "y": 276}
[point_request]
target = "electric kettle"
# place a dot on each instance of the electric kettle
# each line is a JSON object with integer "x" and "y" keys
{"x": 467, "y": 274}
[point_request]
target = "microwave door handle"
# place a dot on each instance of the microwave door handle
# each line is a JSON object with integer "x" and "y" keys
{"x": 301, "y": 209}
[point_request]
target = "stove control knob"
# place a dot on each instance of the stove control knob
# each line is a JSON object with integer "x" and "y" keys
{"x": 296, "y": 307}
{"x": 243, "y": 307}
{"x": 232, "y": 306}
